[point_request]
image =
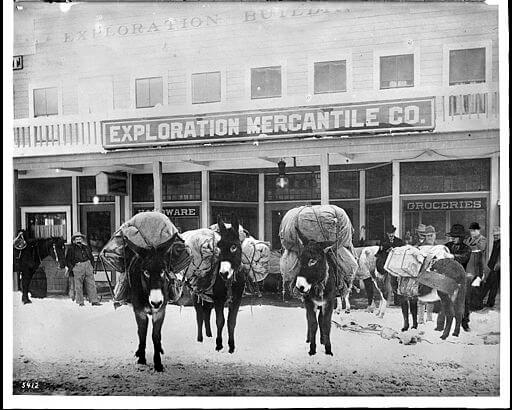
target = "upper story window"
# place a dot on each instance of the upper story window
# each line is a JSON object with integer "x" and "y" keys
{"x": 149, "y": 92}
{"x": 330, "y": 77}
{"x": 467, "y": 66}
{"x": 266, "y": 82}
{"x": 206, "y": 87}
{"x": 46, "y": 101}
{"x": 397, "y": 71}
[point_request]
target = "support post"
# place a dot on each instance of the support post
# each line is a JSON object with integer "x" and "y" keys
{"x": 205, "y": 199}
{"x": 261, "y": 206}
{"x": 117, "y": 212}
{"x": 128, "y": 199}
{"x": 157, "y": 185}
{"x": 362, "y": 202}
{"x": 324, "y": 178}
{"x": 74, "y": 205}
{"x": 395, "y": 198}
{"x": 494, "y": 196}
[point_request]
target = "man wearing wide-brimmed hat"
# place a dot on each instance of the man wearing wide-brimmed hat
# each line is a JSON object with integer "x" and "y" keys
{"x": 79, "y": 259}
{"x": 478, "y": 244}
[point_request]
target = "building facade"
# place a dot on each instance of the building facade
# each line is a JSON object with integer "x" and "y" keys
{"x": 389, "y": 110}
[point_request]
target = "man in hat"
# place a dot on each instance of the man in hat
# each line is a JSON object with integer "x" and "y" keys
{"x": 475, "y": 269}
{"x": 491, "y": 280}
{"x": 392, "y": 241}
{"x": 79, "y": 259}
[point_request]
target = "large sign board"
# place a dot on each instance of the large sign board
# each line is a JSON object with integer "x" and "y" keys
{"x": 445, "y": 204}
{"x": 324, "y": 120}
{"x": 172, "y": 211}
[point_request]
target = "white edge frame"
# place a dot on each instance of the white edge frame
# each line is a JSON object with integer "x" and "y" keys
{"x": 324, "y": 56}
{"x": 410, "y": 48}
{"x": 260, "y": 62}
{"x": 36, "y": 84}
{"x": 467, "y": 88}
{"x": 200, "y": 68}
{"x": 149, "y": 72}
{"x": 41, "y": 209}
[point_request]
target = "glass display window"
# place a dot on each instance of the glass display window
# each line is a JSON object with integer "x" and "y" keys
{"x": 47, "y": 221}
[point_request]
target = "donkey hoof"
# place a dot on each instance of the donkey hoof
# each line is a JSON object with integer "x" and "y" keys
{"x": 159, "y": 367}
{"x": 328, "y": 352}
{"x": 218, "y": 348}
{"x": 347, "y": 311}
{"x": 415, "y": 326}
{"x": 405, "y": 328}
{"x": 444, "y": 337}
{"x": 208, "y": 333}
{"x": 142, "y": 360}
{"x": 231, "y": 350}
{"x": 456, "y": 334}
{"x": 312, "y": 352}
{"x": 200, "y": 339}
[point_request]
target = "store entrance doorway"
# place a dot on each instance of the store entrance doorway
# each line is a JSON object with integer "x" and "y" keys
{"x": 97, "y": 223}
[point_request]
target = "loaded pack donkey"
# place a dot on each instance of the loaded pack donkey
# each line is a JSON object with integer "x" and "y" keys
{"x": 316, "y": 283}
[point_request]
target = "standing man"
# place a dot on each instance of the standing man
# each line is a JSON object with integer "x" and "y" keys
{"x": 478, "y": 244}
{"x": 390, "y": 240}
{"x": 462, "y": 254}
{"x": 79, "y": 259}
{"x": 491, "y": 280}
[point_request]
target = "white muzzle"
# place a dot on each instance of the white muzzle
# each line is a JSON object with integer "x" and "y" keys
{"x": 225, "y": 267}
{"x": 156, "y": 298}
{"x": 302, "y": 284}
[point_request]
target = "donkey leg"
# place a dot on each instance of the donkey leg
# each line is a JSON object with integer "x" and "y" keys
{"x": 404, "y": 304}
{"x": 207, "y": 314}
{"x": 440, "y": 320}
{"x": 219, "y": 316}
{"x": 312, "y": 327}
{"x": 347, "y": 303}
{"x": 199, "y": 319}
{"x": 142, "y": 329}
{"x": 233, "y": 312}
{"x": 450, "y": 313}
{"x": 320, "y": 325}
{"x": 414, "y": 311}
{"x": 26, "y": 278}
{"x": 326, "y": 325}
{"x": 158, "y": 321}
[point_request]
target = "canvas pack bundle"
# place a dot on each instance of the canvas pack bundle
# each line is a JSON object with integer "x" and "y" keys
{"x": 319, "y": 223}
{"x": 255, "y": 258}
{"x": 404, "y": 261}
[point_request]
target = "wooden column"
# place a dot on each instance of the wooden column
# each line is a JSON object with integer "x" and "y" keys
{"x": 261, "y": 206}
{"x": 117, "y": 211}
{"x": 205, "y": 199}
{"x": 74, "y": 205}
{"x": 157, "y": 185}
{"x": 494, "y": 196}
{"x": 128, "y": 199}
{"x": 395, "y": 198}
{"x": 324, "y": 178}
{"x": 362, "y": 201}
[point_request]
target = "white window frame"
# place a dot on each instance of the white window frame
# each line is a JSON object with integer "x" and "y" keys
{"x": 396, "y": 51}
{"x": 487, "y": 44}
{"x": 42, "y": 209}
{"x": 319, "y": 57}
{"x": 199, "y": 68}
{"x": 261, "y": 63}
{"x": 141, "y": 74}
{"x": 44, "y": 84}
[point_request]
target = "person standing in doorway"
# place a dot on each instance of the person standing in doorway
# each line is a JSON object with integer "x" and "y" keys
{"x": 475, "y": 269}
{"x": 79, "y": 259}
{"x": 491, "y": 279}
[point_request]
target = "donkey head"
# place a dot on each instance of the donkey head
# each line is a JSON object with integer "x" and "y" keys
{"x": 313, "y": 264}
{"x": 19, "y": 242}
{"x": 230, "y": 247}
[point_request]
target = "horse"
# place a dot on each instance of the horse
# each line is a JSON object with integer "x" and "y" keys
{"x": 228, "y": 286}
{"x": 28, "y": 256}
{"x": 151, "y": 273}
{"x": 316, "y": 283}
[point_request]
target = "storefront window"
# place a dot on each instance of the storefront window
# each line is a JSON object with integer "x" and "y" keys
{"x": 233, "y": 187}
{"x": 46, "y": 224}
{"x": 87, "y": 188}
{"x": 44, "y": 191}
{"x": 175, "y": 187}
{"x": 378, "y": 216}
{"x": 344, "y": 185}
{"x": 379, "y": 181}
{"x": 303, "y": 186}
{"x": 445, "y": 176}
{"x": 142, "y": 187}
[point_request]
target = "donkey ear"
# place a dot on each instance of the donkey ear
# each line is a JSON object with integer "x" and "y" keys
{"x": 302, "y": 238}
{"x": 327, "y": 244}
{"x": 234, "y": 223}
{"x": 220, "y": 224}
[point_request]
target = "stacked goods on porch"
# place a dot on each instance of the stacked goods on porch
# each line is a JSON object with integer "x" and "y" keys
{"x": 319, "y": 223}
{"x": 143, "y": 231}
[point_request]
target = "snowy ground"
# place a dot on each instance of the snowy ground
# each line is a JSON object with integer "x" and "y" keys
{"x": 70, "y": 350}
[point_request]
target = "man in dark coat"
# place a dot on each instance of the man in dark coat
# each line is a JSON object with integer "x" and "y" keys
{"x": 392, "y": 241}
{"x": 462, "y": 253}
{"x": 79, "y": 259}
{"x": 491, "y": 280}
